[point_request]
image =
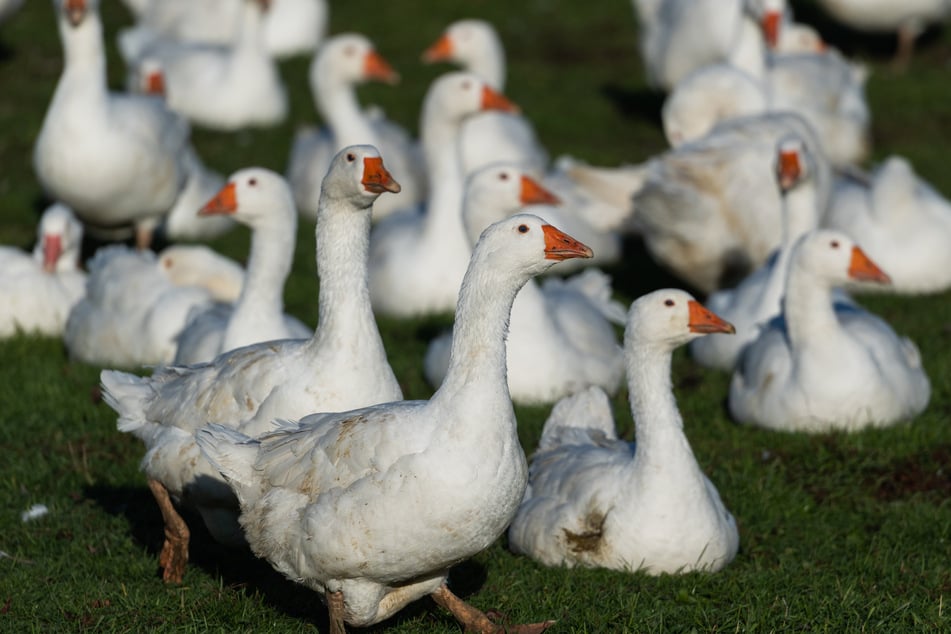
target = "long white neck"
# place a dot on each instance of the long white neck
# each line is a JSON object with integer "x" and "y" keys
{"x": 443, "y": 222}
{"x": 799, "y": 216}
{"x": 808, "y": 308}
{"x": 749, "y": 50}
{"x": 344, "y": 312}
{"x": 489, "y": 64}
{"x": 660, "y": 444}
{"x": 84, "y": 69}
{"x": 260, "y": 307}
{"x": 250, "y": 33}
{"x": 336, "y": 100}
{"x": 477, "y": 357}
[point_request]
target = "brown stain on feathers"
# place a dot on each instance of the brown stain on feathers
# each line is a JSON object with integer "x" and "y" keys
{"x": 589, "y": 539}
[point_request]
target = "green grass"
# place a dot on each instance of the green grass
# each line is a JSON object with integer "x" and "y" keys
{"x": 838, "y": 532}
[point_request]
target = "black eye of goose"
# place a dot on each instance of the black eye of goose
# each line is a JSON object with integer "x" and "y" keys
{"x": 466, "y": 85}
{"x": 351, "y": 157}
{"x": 503, "y": 176}
{"x": 252, "y": 182}
{"x": 523, "y": 228}
{"x": 834, "y": 244}
{"x": 669, "y": 302}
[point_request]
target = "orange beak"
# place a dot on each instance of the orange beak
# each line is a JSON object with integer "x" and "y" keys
{"x": 531, "y": 193}
{"x": 560, "y": 246}
{"x": 376, "y": 179}
{"x": 493, "y": 100}
{"x": 703, "y": 320}
{"x": 440, "y": 51}
{"x": 862, "y": 269}
{"x": 789, "y": 168}
{"x": 75, "y": 11}
{"x": 52, "y": 249}
{"x": 155, "y": 83}
{"x": 225, "y": 202}
{"x": 377, "y": 68}
{"x": 771, "y": 23}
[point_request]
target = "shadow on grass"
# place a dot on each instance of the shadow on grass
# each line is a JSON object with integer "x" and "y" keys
{"x": 240, "y": 571}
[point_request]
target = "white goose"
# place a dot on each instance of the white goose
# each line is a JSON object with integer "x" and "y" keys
{"x": 710, "y": 210}
{"x": 342, "y": 366}
{"x": 41, "y": 287}
{"x": 595, "y": 500}
{"x": 901, "y": 221}
{"x": 132, "y": 312}
{"x": 224, "y": 87}
{"x": 262, "y": 200}
{"x": 372, "y": 507}
{"x": 560, "y": 338}
{"x": 117, "y": 160}
{"x": 341, "y": 63}
{"x": 822, "y": 367}
{"x": 488, "y": 137}
{"x": 758, "y": 297}
{"x": 417, "y": 260}
{"x": 198, "y": 265}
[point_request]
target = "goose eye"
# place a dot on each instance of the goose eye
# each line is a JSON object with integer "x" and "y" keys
{"x": 834, "y": 244}
{"x": 503, "y": 176}
{"x": 523, "y": 228}
{"x": 349, "y": 51}
{"x": 252, "y": 182}
{"x": 669, "y": 302}
{"x": 351, "y": 157}
{"x": 466, "y": 85}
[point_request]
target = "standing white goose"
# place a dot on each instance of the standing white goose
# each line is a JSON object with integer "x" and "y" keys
{"x": 262, "y": 200}
{"x": 40, "y": 288}
{"x": 417, "y": 260}
{"x": 900, "y": 220}
{"x": 758, "y": 297}
{"x": 342, "y": 62}
{"x": 342, "y": 366}
{"x": 117, "y": 160}
{"x": 488, "y": 137}
{"x": 595, "y": 500}
{"x": 372, "y": 507}
{"x": 821, "y": 367}
{"x": 561, "y": 339}
{"x": 224, "y": 87}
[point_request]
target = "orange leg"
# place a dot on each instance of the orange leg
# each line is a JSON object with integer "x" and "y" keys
{"x": 474, "y": 620}
{"x": 174, "y": 554}
{"x": 335, "y": 607}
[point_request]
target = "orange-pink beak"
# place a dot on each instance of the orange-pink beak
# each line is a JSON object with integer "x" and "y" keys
{"x": 494, "y": 100}
{"x": 225, "y": 202}
{"x": 704, "y": 321}
{"x": 52, "y": 249}
{"x": 375, "y": 67}
{"x": 789, "y": 168}
{"x": 862, "y": 269}
{"x": 772, "y": 22}
{"x": 440, "y": 51}
{"x": 531, "y": 193}
{"x": 375, "y": 177}
{"x": 75, "y": 11}
{"x": 560, "y": 246}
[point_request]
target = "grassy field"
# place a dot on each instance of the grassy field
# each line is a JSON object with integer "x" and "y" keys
{"x": 838, "y": 532}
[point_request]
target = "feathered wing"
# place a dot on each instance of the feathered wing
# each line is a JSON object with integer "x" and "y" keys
{"x": 584, "y": 418}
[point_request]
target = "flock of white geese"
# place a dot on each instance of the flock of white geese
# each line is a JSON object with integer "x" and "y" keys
{"x": 298, "y": 442}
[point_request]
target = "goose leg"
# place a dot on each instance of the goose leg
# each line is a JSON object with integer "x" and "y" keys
{"x": 906, "y": 46}
{"x": 174, "y": 554}
{"x": 335, "y": 607}
{"x": 474, "y": 620}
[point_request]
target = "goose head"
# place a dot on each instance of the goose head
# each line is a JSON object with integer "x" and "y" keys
{"x": 150, "y": 77}
{"x": 75, "y": 11}
{"x": 59, "y": 238}
{"x": 770, "y": 14}
{"x": 834, "y": 257}
{"x": 792, "y": 163}
{"x": 497, "y": 191}
{"x": 464, "y": 42}
{"x": 350, "y": 58}
{"x": 525, "y": 245}
{"x": 457, "y": 95}
{"x": 670, "y": 317}
{"x": 254, "y": 196}
{"x": 357, "y": 174}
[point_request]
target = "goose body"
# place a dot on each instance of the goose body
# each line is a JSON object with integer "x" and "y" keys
{"x": 261, "y": 199}
{"x": 821, "y": 366}
{"x": 39, "y": 288}
{"x": 224, "y": 87}
{"x": 900, "y": 221}
{"x": 341, "y": 366}
{"x": 418, "y": 485}
{"x": 418, "y": 257}
{"x": 710, "y": 210}
{"x": 561, "y": 338}
{"x": 117, "y": 160}
{"x": 595, "y": 500}
{"x": 342, "y": 62}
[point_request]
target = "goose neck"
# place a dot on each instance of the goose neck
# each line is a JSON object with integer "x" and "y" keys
{"x": 807, "y": 307}
{"x": 343, "y": 298}
{"x": 337, "y": 103}
{"x": 250, "y": 33}
{"x": 749, "y": 51}
{"x": 489, "y": 64}
{"x": 83, "y": 51}
{"x": 444, "y": 209}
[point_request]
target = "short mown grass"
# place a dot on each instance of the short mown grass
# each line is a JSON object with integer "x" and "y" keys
{"x": 838, "y": 532}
